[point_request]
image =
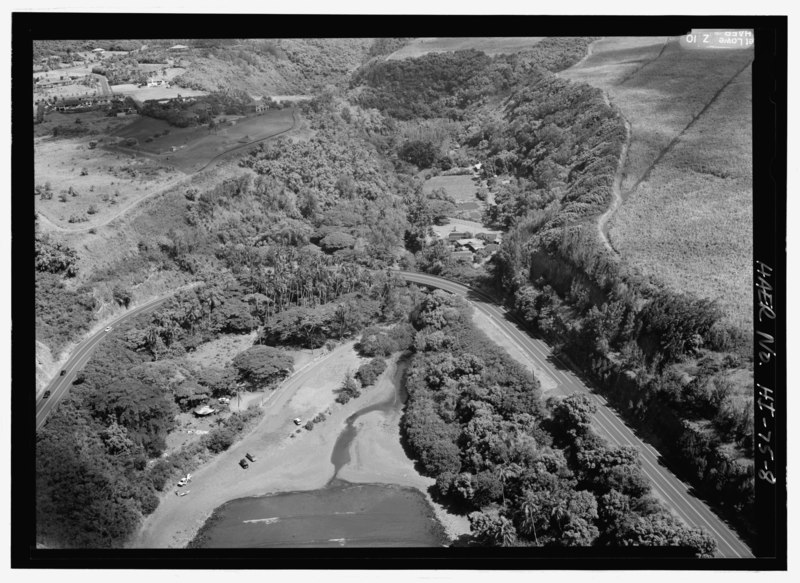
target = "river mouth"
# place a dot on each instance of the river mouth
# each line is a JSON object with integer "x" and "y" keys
{"x": 342, "y": 514}
{"x": 340, "y": 456}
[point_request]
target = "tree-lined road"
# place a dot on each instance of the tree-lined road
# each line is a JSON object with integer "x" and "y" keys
{"x": 606, "y": 421}
{"x": 59, "y": 386}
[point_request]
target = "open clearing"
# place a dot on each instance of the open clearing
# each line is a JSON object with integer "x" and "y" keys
{"x": 113, "y": 180}
{"x": 489, "y": 45}
{"x": 686, "y": 216}
{"x": 462, "y": 188}
{"x": 196, "y": 146}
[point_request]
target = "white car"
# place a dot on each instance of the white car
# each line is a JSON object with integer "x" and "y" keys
{"x": 297, "y": 420}
{"x": 108, "y": 328}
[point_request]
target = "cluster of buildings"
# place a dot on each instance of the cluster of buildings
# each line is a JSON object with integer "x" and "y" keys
{"x": 478, "y": 247}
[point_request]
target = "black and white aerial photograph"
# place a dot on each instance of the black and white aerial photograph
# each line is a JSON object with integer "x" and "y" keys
{"x": 460, "y": 295}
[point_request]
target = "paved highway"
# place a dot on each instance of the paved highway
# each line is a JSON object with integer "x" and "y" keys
{"x": 606, "y": 422}
{"x": 59, "y": 386}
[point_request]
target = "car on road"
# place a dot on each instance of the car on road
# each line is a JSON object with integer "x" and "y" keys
{"x": 109, "y": 328}
{"x": 63, "y": 372}
{"x": 251, "y": 457}
{"x": 243, "y": 463}
{"x": 46, "y": 394}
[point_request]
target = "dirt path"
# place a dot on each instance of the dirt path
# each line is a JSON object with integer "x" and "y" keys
{"x": 616, "y": 200}
{"x": 45, "y": 221}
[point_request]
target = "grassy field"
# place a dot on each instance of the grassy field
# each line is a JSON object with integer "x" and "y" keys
{"x": 196, "y": 145}
{"x": 489, "y": 45}
{"x": 114, "y": 180}
{"x": 462, "y": 188}
{"x": 145, "y": 93}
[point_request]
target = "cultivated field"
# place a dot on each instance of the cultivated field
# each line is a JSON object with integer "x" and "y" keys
{"x": 197, "y": 146}
{"x": 489, "y": 45}
{"x": 687, "y": 185}
{"x": 691, "y": 222}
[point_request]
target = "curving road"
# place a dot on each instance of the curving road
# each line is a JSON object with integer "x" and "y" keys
{"x": 606, "y": 421}
{"x": 60, "y": 385}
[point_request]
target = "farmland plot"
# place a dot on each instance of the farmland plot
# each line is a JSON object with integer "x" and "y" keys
{"x": 197, "y": 146}
{"x": 687, "y": 183}
{"x": 489, "y": 45}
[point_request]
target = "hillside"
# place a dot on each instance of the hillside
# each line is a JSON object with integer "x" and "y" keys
{"x": 276, "y": 66}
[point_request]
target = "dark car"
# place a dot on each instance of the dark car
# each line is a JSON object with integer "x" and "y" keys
{"x": 63, "y": 372}
{"x": 46, "y": 394}
{"x": 244, "y": 464}
{"x": 251, "y": 457}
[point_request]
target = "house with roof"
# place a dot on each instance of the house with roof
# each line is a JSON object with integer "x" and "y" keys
{"x": 472, "y": 245}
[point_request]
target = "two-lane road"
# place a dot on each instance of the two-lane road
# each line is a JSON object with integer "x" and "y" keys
{"x": 607, "y": 423}
{"x": 59, "y": 386}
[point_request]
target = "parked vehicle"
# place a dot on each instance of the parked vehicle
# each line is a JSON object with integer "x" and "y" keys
{"x": 184, "y": 493}
{"x": 183, "y": 482}
{"x": 252, "y": 458}
{"x": 243, "y": 463}
{"x": 297, "y": 420}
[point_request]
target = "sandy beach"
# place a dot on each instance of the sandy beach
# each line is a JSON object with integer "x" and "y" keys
{"x": 297, "y": 463}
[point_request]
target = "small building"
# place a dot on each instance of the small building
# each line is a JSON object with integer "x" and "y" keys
{"x": 471, "y": 244}
{"x": 204, "y": 411}
{"x": 179, "y": 48}
{"x": 492, "y": 248}
{"x": 98, "y": 51}
{"x": 462, "y": 255}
